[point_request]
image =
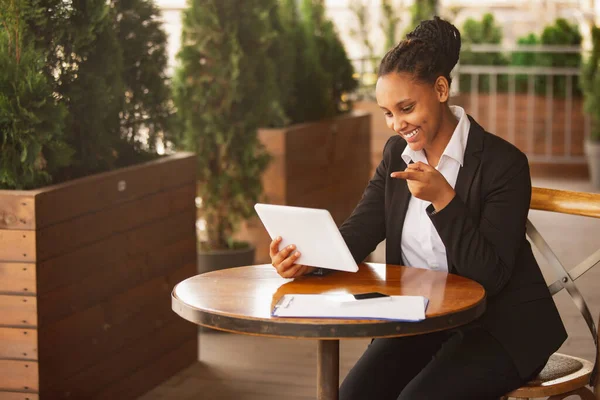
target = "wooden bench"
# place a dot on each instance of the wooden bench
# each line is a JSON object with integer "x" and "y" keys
{"x": 565, "y": 375}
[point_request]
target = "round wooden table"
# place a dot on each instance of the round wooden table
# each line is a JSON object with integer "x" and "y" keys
{"x": 241, "y": 300}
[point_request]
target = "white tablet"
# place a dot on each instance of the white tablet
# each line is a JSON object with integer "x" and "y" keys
{"x": 314, "y": 233}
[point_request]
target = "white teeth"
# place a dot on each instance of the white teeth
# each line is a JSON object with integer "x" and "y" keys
{"x": 413, "y": 133}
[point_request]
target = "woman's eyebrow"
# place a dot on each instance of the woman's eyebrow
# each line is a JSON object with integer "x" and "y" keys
{"x": 398, "y": 104}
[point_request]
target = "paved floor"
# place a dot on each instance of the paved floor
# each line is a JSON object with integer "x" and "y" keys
{"x": 249, "y": 368}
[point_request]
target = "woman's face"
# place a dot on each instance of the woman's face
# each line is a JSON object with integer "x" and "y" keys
{"x": 412, "y": 109}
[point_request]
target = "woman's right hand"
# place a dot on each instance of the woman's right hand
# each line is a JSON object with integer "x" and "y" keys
{"x": 284, "y": 260}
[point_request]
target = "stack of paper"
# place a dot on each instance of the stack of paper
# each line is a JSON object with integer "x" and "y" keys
{"x": 399, "y": 308}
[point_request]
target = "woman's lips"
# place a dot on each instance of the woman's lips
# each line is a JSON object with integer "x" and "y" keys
{"x": 412, "y": 136}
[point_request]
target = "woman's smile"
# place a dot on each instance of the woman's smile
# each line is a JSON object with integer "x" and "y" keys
{"x": 411, "y": 136}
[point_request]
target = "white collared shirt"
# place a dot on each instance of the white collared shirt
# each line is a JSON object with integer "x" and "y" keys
{"x": 421, "y": 244}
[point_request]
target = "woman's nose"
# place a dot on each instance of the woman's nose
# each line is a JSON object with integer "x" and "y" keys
{"x": 399, "y": 125}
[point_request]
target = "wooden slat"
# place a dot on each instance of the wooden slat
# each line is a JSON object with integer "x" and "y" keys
{"x": 558, "y": 170}
{"x": 564, "y": 201}
{"x": 18, "y": 311}
{"x": 18, "y": 343}
{"x": 18, "y": 396}
{"x": 118, "y": 249}
{"x": 310, "y": 152}
{"x": 329, "y": 141}
{"x": 146, "y": 352}
{"x": 84, "y": 339}
{"x": 19, "y": 375}
{"x": 274, "y": 177}
{"x": 151, "y": 375}
{"x": 17, "y": 278}
{"x": 347, "y": 177}
{"x": 17, "y": 210}
{"x": 69, "y": 235}
{"x": 155, "y": 255}
{"x": 17, "y": 245}
{"x": 64, "y": 201}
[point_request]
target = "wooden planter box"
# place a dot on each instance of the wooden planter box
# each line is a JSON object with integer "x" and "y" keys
{"x": 86, "y": 272}
{"x": 324, "y": 164}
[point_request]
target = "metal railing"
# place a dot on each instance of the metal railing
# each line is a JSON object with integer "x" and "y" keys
{"x": 536, "y": 84}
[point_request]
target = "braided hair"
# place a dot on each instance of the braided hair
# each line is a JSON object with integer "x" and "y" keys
{"x": 429, "y": 51}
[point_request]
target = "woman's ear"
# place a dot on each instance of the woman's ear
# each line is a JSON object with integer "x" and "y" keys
{"x": 442, "y": 89}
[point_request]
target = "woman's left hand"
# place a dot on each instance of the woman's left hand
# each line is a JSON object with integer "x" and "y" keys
{"x": 427, "y": 183}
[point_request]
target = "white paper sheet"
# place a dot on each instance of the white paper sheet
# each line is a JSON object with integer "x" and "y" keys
{"x": 399, "y": 308}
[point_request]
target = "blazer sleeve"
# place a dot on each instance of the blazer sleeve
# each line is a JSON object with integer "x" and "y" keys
{"x": 486, "y": 250}
{"x": 365, "y": 228}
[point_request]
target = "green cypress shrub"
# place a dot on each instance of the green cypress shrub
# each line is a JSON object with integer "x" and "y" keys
{"x": 561, "y": 33}
{"x": 313, "y": 73}
{"x": 31, "y": 117}
{"x": 590, "y": 85}
{"x": 389, "y": 24}
{"x": 224, "y": 90}
{"x": 84, "y": 63}
{"x": 147, "y": 109}
{"x": 485, "y": 31}
{"x": 105, "y": 62}
{"x": 335, "y": 74}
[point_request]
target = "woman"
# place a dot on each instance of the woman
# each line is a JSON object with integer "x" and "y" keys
{"x": 447, "y": 196}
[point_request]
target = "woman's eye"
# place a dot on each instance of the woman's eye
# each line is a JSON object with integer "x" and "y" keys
{"x": 387, "y": 114}
{"x": 408, "y": 108}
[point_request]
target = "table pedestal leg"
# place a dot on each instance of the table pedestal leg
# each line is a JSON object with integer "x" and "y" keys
{"x": 328, "y": 369}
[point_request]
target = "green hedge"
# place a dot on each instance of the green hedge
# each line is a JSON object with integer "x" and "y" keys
{"x": 488, "y": 32}
{"x": 102, "y": 72}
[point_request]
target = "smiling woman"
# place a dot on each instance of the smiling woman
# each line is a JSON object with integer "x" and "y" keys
{"x": 414, "y": 86}
{"x": 447, "y": 196}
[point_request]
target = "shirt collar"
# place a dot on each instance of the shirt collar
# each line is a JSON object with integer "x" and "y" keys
{"x": 455, "y": 148}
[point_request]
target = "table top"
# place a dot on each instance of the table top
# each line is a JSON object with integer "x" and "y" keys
{"x": 241, "y": 300}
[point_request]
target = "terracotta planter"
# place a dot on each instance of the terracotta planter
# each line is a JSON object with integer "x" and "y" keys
{"x": 85, "y": 280}
{"x": 325, "y": 164}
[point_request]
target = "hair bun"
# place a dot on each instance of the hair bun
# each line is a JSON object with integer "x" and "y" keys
{"x": 441, "y": 35}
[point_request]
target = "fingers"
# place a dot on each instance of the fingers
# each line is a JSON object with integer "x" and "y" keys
{"x": 303, "y": 271}
{"x": 274, "y": 247}
{"x": 423, "y": 167}
{"x": 284, "y": 259}
{"x": 285, "y": 262}
{"x": 294, "y": 271}
{"x": 282, "y": 255}
{"x": 415, "y": 166}
{"x": 410, "y": 174}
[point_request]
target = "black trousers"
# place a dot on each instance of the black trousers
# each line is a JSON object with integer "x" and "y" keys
{"x": 466, "y": 363}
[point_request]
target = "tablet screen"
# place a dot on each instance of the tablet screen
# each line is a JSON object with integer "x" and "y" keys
{"x": 314, "y": 233}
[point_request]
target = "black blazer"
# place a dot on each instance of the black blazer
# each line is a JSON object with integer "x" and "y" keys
{"x": 483, "y": 230}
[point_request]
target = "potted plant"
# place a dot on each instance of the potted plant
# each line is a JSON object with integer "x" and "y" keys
{"x": 321, "y": 151}
{"x": 95, "y": 227}
{"x": 224, "y": 89}
{"x": 590, "y": 85}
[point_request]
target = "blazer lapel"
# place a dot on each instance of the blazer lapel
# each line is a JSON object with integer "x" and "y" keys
{"x": 404, "y": 199}
{"x": 400, "y": 200}
{"x": 471, "y": 162}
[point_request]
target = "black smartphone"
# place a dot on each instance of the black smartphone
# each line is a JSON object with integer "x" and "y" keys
{"x": 370, "y": 295}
